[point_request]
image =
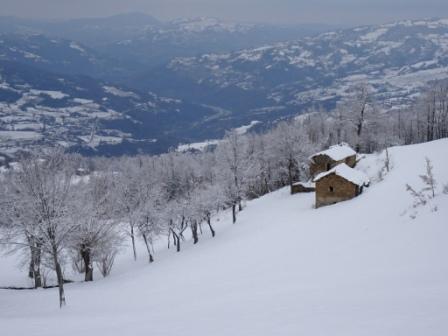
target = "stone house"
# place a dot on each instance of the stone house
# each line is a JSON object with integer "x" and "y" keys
{"x": 330, "y": 158}
{"x": 339, "y": 184}
{"x": 302, "y": 187}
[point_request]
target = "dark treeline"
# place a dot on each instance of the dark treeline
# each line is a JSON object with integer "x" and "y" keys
{"x": 64, "y": 210}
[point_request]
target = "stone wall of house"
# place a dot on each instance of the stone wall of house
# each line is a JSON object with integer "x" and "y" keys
{"x": 320, "y": 163}
{"x": 351, "y": 161}
{"x": 299, "y": 188}
{"x": 333, "y": 189}
{"x": 323, "y": 163}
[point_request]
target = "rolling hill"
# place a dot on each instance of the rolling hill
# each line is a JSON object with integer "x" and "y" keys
{"x": 374, "y": 265}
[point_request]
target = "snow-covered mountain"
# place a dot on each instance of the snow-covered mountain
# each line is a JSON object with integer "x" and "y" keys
{"x": 156, "y": 44}
{"x": 60, "y": 56}
{"x": 396, "y": 59}
{"x": 210, "y": 93}
{"x": 374, "y": 265}
{"x": 141, "y": 41}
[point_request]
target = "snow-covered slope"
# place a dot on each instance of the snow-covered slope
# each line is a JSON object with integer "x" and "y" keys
{"x": 362, "y": 267}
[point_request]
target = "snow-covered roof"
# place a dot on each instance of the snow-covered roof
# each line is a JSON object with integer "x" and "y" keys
{"x": 337, "y": 152}
{"x": 305, "y": 184}
{"x": 344, "y": 171}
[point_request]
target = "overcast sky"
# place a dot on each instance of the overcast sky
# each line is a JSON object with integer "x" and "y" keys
{"x": 345, "y": 12}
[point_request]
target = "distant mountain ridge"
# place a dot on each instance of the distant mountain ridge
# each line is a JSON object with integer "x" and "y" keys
{"x": 60, "y": 56}
{"x": 396, "y": 59}
{"x": 143, "y": 40}
{"x": 99, "y": 101}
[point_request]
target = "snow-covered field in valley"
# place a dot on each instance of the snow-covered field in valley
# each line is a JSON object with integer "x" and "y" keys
{"x": 370, "y": 266}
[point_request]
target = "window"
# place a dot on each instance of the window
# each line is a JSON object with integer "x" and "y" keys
{"x": 331, "y": 189}
{"x": 328, "y": 166}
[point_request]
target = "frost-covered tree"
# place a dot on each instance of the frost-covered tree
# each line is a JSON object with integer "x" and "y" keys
{"x": 259, "y": 166}
{"x": 18, "y": 227}
{"x": 45, "y": 186}
{"x": 208, "y": 200}
{"x": 428, "y": 178}
{"x": 435, "y": 109}
{"x": 96, "y": 219}
{"x": 290, "y": 148}
{"x": 421, "y": 197}
{"x": 231, "y": 165}
{"x": 361, "y": 116}
{"x": 150, "y": 220}
{"x": 128, "y": 195}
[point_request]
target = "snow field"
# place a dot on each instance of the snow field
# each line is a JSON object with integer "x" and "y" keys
{"x": 361, "y": 267}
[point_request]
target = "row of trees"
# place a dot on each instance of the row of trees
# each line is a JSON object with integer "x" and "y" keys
{"x": 361, "y": 122}
{"x": 58, "y": 218}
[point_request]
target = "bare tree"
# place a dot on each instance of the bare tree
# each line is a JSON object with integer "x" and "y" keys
{"x": 19, "y": 227}
{"x": 95, "y": 217}
{"x": 128, "y": 196}
{"x": 45, "y": 185}
{"x": 428, "y": 178}
{"x": 231, "y": 161}
{"x": 362, "y": 115}
{"x": 420, "y": 196}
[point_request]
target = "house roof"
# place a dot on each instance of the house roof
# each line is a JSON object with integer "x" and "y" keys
{"x": 305, "y": 184}
{"x": 337, "y": 152}
{"x": 352, "y": 175}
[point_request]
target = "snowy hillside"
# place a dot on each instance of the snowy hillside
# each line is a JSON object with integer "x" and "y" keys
{"x": 370, "y": 266}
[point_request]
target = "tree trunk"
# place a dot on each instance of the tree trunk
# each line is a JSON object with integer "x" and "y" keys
{"x": 31, "y": 266}
{"x": 178, "y": 243}
{"x": 194, "y": 232}
{"x": 36, "y": 256}
{"x": 169, "y": 238}
{"x": 234, "y": 213}
{"x": 35, "y": 261}
{"x": 133, "y": 242}
{"x": 176, "y": 240}
{"x": 148, "y": 248}
{"x": 290, "y": 177}
{"x": 59, "y": 276}
{"x": 209, "y": 222}
{"x": 87, "y": 258}
{"x": 359, "y": 127}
